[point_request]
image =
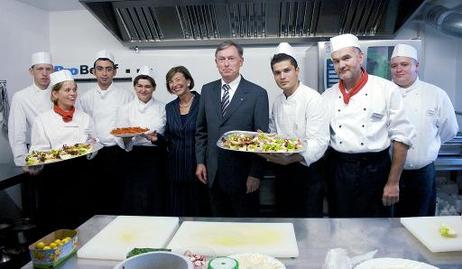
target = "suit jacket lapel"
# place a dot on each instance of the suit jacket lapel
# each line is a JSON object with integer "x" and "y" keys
{"x": 216, "y": 98}
{"x": 176, "y": 113}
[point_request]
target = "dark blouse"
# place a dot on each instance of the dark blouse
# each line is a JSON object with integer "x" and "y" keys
{"x": 184, "y": 118}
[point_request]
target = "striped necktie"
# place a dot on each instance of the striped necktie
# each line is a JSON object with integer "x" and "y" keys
{"x": 225, "y": 99}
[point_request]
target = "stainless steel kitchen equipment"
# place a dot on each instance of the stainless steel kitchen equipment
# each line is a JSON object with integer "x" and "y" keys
{"x": 157, "y": 23}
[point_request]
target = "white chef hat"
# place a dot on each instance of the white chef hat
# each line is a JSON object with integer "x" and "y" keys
{"x": 146, "y": 70}
{"x": 41, "y": 57}
{"x": 404, "y": 50}
{"x": 344, "y": 41}
{"x": 285, "y": 48}
{"x": 105, "y": 54}
{"x": 60, "y": 76}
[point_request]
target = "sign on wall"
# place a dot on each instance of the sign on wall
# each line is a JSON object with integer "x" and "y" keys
{"x": 83, "y": 72}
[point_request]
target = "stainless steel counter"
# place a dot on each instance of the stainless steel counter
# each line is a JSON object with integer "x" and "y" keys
{"x": 314, "y": 237}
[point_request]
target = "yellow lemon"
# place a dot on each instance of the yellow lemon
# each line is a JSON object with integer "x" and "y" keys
{"x": 40, "y": 245}
{"x": 57, "y": 241}
{"x": 53, "y": 245}
{"x": 68, "y": 238}
{"x": 46, "y": 248}
{"x": 447, "y": 231}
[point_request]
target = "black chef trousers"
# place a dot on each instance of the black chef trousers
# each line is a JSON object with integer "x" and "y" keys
{"x": 417, "y": 192}
{"x": 61, "y": 195}
{"x": 104, "y": 187}
{"x": 143, "y": 181}
{"x": 299, "y": 190}
{"x": 356, "y": 182}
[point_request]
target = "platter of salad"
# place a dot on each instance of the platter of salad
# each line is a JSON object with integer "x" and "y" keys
{"x": 259, "y": 142}
{"x": 40, "y": 157}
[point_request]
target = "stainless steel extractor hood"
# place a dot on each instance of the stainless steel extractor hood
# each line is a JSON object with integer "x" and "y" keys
{"x": 160, "y": 23}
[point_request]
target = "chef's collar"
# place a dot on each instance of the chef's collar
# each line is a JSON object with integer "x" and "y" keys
{"x": 414, "y": 85}
{"x": 103, "y": 93}
{"x": 233, "y": 84}
{"x": 293, "y": 97}
{"x": 141, "y": 107}
{"x": 37, "y": 88}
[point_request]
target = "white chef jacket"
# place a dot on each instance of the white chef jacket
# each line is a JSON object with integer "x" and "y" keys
{"x": 430, "y": 110}
{"x": 49, "y": 130}
{"x": 374, "y": 116}
{"x": 102, "y": 107}
{"x": 302, "y": 115}
{"x": 149, "y": 115}
{"x": 25, "y": 106}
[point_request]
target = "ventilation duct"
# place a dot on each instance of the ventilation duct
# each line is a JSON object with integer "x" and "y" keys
{"x": 154, "y": 23}
{"x": 448, "y": 21}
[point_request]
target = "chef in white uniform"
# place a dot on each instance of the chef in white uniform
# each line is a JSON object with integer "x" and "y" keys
{"x": 27, "y": 104}
{"x": 62, "y": 183}
{"x": 366, "y": 117}
{"x": 297, "y": 112}
{"x": 101, "y": 103}
{"x": 144, "y": 111}
{"x": 62, "y": 125}
{"x": 143, "y": 183}
{"x": 430, "y": 110}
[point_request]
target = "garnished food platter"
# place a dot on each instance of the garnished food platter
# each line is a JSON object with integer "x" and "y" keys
{"x": 40, "y": 157}
{"x": 255, "y": 260}
{"x": 129, "y": 131}
{"x": 259, "y": 142}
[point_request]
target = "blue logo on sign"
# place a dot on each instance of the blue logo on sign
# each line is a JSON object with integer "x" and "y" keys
{"x": 82, "y": 69}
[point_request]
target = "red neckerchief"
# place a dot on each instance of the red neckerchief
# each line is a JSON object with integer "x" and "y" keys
{"x": 67, "y": 115}
{"x": 355, "y": 89}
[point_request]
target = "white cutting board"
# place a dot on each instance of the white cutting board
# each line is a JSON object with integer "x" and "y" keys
{"x": 226, "y": 238}
{"x": 124, "y": 233}
{"x": 426, "y": 230}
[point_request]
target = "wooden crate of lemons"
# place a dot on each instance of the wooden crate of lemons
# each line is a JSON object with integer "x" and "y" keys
{"x": 54, "y": 248}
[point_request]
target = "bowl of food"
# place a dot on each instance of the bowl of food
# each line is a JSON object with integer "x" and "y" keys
{"x": 156, "y": 260}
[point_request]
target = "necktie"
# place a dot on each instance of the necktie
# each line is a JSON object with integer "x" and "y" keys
{"x": 225, "y": 99}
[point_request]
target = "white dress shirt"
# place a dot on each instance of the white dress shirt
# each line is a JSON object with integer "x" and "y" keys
{"x": 149, "y": 115}
{"x": 233, "y": 87}
{"x": 51, "y": 132}
{"x": 25, "y": 106}
{"x": 430, "y": 110}
{"x": 373, "y": 118}
{"x": 302, "y": 115}
{"x": 102, "y": 107}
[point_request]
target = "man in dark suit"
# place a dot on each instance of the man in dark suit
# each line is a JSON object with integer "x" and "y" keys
{"x": 230, "y": 103}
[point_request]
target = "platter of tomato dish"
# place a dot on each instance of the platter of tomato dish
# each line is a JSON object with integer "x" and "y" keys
{"x": 128, "y": 131}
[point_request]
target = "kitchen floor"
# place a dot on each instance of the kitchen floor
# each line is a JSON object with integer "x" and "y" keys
{"x": 449, "y": 193}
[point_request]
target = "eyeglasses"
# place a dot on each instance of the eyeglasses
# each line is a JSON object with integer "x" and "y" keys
{"x": 108, "y": 69}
